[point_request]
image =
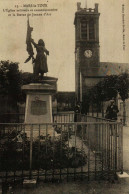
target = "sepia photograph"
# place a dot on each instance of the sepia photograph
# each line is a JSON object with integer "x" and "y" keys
{"x": 64, "y": 96}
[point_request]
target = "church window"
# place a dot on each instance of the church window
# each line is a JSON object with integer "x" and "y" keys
{"x": 87, "y": 29}
{"x": 84, "y": 29}
{"x": 91, "y": 30}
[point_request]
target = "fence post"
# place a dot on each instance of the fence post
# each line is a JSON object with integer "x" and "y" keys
{"x": 121, "y": 158}
{"x": 124, "y": 113}
{"x": 102, "y": 109}
{"x": 31, "y": 144}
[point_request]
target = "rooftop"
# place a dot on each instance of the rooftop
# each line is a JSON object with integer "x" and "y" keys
{"x": 106, "y": 68}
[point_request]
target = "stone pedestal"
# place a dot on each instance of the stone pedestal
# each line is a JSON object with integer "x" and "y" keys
{"x": 39, "y": 103}
{"x": 29, "y": 183}
{"x": 122, "y": 178}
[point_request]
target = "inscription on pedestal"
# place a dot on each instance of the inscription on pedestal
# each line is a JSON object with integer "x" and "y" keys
{"x": 38, "y": 107}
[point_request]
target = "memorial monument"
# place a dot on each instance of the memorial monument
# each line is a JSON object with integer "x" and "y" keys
{"x": 39, "y": 93}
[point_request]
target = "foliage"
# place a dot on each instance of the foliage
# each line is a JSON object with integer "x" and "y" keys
{"x": 27, "y": 78}
{"x": 10, "y": 80}
{"x": 123, "y": 86}
{"x": 47, "y": 153}
{"x": 108, "y": 88}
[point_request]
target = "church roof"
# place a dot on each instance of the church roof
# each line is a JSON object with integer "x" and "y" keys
{"x": 105, "y": 68}
{"x": 112, "y": 68}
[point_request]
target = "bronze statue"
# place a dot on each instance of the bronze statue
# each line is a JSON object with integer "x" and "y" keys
{"x": 40, "y": 63}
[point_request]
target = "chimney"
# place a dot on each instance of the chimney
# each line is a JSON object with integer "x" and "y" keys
{"x": 78, "y": 6}
{"x": 96, "y": 7}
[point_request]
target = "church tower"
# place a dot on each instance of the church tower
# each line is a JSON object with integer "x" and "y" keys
{"x": 87, "y": 56}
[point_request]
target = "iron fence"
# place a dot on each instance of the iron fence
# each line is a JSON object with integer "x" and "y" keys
{"x": 63, "y": 117}
{"x": 91, "y": 150}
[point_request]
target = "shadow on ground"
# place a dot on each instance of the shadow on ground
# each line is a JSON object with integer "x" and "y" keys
{"x": 78, "y": 187}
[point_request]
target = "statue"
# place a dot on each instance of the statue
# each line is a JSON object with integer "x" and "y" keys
{"x": 40, "y": 62}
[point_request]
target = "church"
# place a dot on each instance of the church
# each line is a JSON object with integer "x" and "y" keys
{"x": 88, "y": 67}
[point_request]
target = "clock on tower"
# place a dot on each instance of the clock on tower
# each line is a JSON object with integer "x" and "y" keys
{"x": 86, "y": 46}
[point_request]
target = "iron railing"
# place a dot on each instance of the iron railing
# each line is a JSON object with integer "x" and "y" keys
{"x": 87, "y": 149}
{"x": 63, "y": 117}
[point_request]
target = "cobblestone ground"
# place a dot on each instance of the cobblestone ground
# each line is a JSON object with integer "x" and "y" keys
{"x": 83, "y": 187}
{"x": 90, "y": 155}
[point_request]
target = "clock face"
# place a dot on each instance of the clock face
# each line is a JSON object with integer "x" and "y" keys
{"x": 88, "y": 53}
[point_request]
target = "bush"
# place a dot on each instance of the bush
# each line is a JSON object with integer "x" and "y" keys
{"x": 46, "y": 155}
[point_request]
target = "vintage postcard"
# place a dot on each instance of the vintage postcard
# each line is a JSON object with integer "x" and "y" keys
{"x": 59, "y": 119}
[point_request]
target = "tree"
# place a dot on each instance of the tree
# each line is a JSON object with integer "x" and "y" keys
{"x": 109, "y": 88}
{"x": 27, "y": 78}
{"x": 10, "y": 84}
{"x": 10, "y": 79}
{"x": 123, "y": 90}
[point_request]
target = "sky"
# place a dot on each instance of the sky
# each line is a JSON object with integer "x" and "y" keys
{"x": 58, "y": 32}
